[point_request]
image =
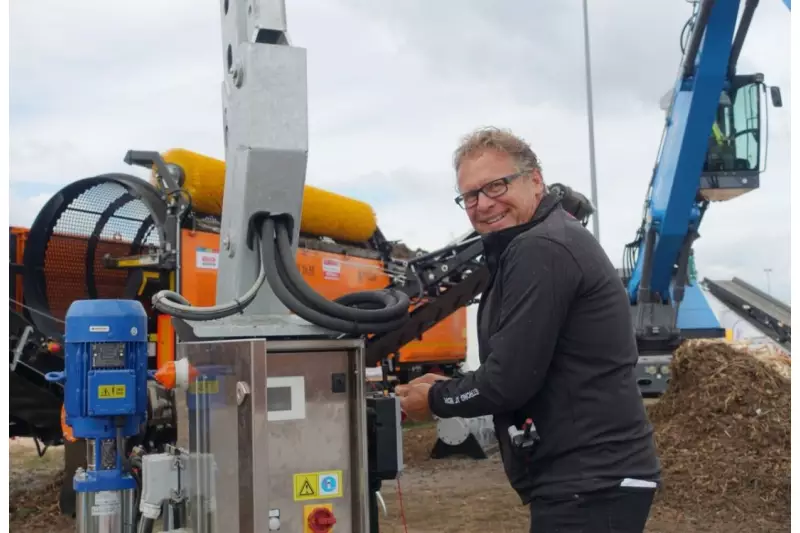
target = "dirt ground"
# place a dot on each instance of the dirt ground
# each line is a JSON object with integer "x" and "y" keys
{"x": 448, "y": 495}
{"x": 34, "y": 485}
{"x": 461, "y": 495}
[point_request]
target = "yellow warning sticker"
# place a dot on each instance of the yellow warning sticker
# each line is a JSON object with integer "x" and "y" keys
{"x": 318, "y": 485}
{"x": 111, "y": 392}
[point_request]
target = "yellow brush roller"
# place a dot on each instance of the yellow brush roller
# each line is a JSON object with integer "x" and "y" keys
{"x": 324, "y": 213}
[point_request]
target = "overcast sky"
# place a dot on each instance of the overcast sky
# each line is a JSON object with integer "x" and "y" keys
{"x": 392, "y": 87}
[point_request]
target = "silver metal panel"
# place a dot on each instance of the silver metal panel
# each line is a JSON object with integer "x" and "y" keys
{"x": 265, "y": 114}
{"x": 248, "y": 327}
{"x": 266, "y": 15}
{"x": 256, "y": 458}
{"x": 218, "y": 432}
{"x": 331, "y": 437}
{"x": 105, "y": 512}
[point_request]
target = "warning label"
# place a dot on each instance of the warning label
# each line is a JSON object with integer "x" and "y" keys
{"x": 207, "y": 258}
{"x": 111, "y": 392}
{"x": 305, "y": 487}
{"x": 331, "y": 268}
{"x": 318, "y": 485}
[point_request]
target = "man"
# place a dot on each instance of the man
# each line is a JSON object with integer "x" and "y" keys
{"x": 721, "y": 154}
{"x": 557, "y": 352}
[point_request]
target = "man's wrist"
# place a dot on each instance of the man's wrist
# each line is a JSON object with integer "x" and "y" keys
{"x": 432, "y": 397}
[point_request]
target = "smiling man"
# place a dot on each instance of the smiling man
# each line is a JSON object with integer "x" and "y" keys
{"x": 557, "y": 352}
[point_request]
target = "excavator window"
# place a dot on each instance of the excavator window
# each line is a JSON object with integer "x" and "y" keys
{"x": 746, "y": 127}
{"x": 734, "y": 142}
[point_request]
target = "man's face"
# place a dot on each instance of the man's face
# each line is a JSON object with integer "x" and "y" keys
{"x": 516, "y": 206}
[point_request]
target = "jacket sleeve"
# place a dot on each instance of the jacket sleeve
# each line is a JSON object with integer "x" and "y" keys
{"x": 538, "y": 281}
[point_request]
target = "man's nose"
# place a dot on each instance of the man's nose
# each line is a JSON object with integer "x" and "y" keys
{"x": 484, "y": 203}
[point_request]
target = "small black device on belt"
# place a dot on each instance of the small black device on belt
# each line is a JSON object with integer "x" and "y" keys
{"x": 524, "y": 438}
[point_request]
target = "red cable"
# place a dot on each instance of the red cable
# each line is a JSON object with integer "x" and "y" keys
{"x": 402, "y": 511}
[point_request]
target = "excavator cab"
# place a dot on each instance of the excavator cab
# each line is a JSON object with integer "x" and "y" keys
{"x": 734, "y": 158}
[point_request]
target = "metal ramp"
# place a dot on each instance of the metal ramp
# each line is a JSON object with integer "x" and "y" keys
{"x": 769, "y": 315}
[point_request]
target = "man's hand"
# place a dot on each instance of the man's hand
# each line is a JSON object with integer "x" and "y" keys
{"x": 429, "y": 378}
{"x": 414, "y": 401}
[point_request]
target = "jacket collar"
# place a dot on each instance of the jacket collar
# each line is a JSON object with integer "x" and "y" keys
{"x": 495, "y": 243}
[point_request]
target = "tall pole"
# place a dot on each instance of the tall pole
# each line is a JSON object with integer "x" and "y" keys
{"x": 590, "y": 114}
{"x": 769, "y": 285}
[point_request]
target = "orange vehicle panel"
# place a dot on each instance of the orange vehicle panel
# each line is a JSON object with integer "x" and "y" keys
{"x": 331, "y": 275}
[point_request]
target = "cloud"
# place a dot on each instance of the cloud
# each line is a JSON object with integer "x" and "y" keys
{"x": 392, "y": 88}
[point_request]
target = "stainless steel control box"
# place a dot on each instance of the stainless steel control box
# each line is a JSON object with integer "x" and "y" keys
{"x": 276, "y": 435}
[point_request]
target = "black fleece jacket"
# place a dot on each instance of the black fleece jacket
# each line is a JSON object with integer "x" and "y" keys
{"x": 556, "y": 345}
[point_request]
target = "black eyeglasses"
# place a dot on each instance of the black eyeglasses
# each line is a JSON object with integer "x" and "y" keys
{"x": 493, "y": 189}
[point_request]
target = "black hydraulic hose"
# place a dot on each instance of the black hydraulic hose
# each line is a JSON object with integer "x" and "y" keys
{"x": 386, "y": 305}
{"x": 696, "y": 37}
{"x": 741, "y": 33}
{"x": 293, "y": 299}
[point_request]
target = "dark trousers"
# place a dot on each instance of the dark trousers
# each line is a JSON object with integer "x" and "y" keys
{"x": 617, "y": 510}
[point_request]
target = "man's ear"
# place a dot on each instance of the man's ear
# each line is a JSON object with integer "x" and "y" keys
{"x": 537, "y": 178}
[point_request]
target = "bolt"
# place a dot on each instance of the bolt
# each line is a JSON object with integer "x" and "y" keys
{"x": 242, "y": 391}
{"x": 237, "y": 74}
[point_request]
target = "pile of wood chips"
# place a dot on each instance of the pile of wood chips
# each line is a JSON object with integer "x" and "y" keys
{"x": 723, "y": 431}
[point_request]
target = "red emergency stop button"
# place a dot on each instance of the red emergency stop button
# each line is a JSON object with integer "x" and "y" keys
{"x": 321, "y": 520}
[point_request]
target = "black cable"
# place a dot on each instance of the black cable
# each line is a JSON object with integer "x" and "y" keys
{"x": 383, "y": 305}
{"x": 343, "y": 315}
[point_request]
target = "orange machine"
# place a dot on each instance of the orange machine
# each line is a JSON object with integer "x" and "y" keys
{"x": 84, "y": 227}
{"x": 332, "y": 275}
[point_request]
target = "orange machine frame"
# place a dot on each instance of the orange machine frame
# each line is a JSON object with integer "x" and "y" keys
{"x": 330, "y": 274}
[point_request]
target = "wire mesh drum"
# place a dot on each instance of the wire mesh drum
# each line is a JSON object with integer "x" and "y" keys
{"x": 113, "y": 215}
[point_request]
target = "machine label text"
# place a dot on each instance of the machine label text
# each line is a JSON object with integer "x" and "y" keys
{"x": 106, "y": 503}
{"x": 331, "y": 268}
{"x": 207, "y": 259}
{"x": 111, "y": 392}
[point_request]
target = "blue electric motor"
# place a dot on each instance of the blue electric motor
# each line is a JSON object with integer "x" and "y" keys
{"x": 105, "y": 395}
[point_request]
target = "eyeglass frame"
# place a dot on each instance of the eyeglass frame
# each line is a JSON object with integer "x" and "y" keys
{"x": 505, "y": 180}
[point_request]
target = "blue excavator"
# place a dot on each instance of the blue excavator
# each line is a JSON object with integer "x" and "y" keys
{"x": 713, "y": 149}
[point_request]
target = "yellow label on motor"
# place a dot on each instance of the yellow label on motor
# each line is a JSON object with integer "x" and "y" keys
{"x": 111, "y": 392}
{"x": 209, "y": 386}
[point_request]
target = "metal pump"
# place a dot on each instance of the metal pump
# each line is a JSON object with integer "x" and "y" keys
{"x": 105, "y": 399}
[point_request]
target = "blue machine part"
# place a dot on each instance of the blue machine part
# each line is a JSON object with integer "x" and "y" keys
{"x": 671, "y": 205}
{"x": 707, "y": 93}
{"x": 105, "y": 381}
{"x": 697, "y": 318}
